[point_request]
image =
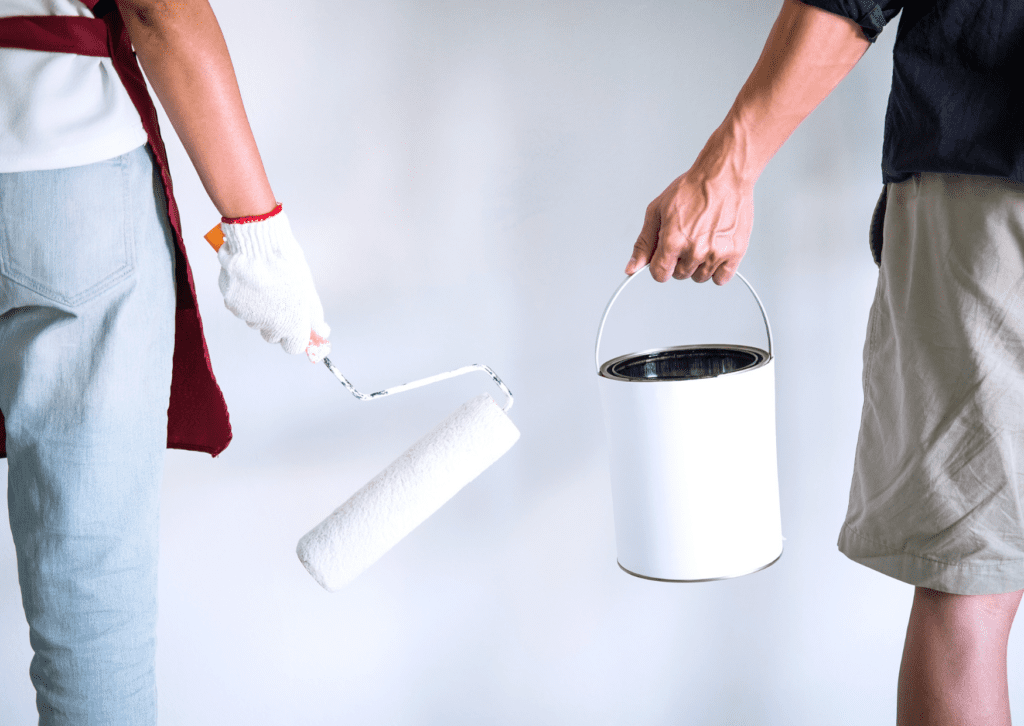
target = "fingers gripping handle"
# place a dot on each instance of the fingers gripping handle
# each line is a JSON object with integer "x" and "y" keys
{"x": 600, "y": 329}
{"x": 216, "y": 238}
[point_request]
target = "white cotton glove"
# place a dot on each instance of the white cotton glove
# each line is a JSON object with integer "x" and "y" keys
{"x": 266, "y": 282}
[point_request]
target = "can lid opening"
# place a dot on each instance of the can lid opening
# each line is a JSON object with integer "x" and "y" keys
{"x": 684, "y": 363}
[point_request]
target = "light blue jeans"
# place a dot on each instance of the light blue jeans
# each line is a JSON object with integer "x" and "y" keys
{"x": 87, "y": 299}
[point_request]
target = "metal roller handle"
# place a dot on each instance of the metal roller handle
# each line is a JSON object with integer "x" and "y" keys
{"x": 422, "y": 382}
{"x": 600, "y": 329}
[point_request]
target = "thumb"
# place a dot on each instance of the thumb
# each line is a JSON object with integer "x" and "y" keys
{"x": 646, "y": 243}
{"x": 320, "y": 331}
{"x": 319, "y": 347}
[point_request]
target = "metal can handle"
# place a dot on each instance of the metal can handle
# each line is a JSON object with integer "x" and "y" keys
{"x": 600, "y": 329}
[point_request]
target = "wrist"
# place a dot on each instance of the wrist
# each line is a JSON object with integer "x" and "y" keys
{"x": 253, "y": 218}
{"x": 729, "y": 157}
{"x": 265, "y": 237}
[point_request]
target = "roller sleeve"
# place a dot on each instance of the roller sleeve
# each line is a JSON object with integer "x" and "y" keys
{"x": 414, "y": 486}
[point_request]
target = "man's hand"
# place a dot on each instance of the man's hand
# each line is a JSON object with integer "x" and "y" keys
{"x": 700, "y": 226}
{"x": 697, "y": 228}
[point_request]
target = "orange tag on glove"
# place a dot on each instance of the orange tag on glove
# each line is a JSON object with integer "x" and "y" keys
{"x": 215, "y": 237}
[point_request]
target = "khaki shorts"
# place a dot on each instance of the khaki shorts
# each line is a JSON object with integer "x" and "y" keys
{"x": 937, "y": 498}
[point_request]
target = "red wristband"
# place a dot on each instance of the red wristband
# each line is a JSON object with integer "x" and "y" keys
{"x": 260, "y": 218}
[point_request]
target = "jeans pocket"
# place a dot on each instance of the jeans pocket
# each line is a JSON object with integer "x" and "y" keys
{"x": 65, "y": 234}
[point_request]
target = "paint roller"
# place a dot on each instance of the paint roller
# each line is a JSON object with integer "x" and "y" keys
{"x": 411, "y": 488}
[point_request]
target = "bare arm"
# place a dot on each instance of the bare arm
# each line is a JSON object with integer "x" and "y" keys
{"x": 183, "y": 53}
{"x": 700, "y": 225}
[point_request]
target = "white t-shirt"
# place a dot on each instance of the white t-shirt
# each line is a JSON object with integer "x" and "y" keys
{"x": 60, "y": 109}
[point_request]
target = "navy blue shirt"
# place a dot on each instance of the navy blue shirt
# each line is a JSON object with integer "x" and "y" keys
{"x": 957, "y": 98}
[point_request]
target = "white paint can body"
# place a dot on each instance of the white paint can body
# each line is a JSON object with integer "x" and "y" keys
{"x": 692, "y": 459}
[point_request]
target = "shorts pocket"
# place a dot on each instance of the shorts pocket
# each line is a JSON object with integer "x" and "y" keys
{"x": 878, "y": 226}
{"x": 65, "y": 233}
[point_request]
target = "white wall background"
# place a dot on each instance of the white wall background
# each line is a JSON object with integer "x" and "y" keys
{"x": 467, "y": 180}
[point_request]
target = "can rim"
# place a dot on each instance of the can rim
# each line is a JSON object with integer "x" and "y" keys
{"x": 764, "y": 357}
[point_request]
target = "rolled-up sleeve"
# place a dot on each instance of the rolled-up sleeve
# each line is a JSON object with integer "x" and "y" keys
{"x": 869, "y": 15}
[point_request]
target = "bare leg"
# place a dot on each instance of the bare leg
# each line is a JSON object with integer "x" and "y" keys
{"x": 954, "y": 660}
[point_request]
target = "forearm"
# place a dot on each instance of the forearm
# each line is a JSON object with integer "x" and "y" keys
{"x": 808, "y": 52}
{"x": 183, "y": 53}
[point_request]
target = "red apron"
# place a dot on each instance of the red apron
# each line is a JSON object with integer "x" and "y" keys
{"x": 198, "y": 414}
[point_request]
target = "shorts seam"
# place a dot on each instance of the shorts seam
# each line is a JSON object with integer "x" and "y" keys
{"x": 945, "y": 563}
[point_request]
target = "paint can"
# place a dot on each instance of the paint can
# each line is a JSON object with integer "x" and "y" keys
{"x": 692, "y": 457}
